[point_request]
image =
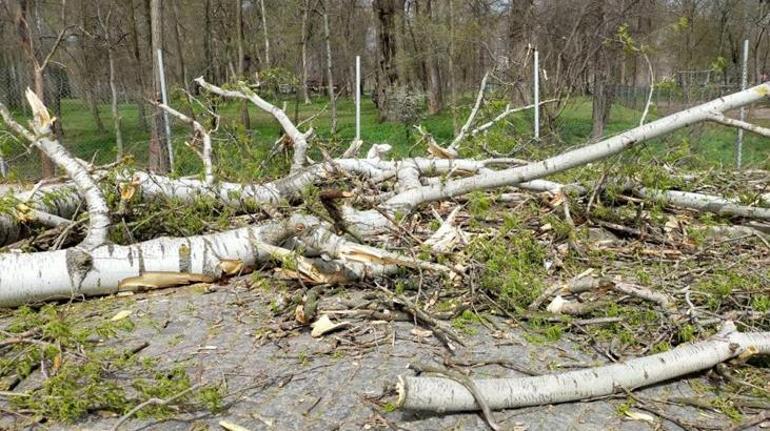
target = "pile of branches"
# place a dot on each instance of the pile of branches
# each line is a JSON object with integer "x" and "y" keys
{"x": 356, "y": 236}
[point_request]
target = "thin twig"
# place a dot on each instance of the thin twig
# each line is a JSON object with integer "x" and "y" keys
{"x": 157, "y": 402}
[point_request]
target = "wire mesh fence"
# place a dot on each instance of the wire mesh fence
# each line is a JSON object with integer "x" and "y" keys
{"x": 84, "y": 112}
{"x": 669, "y": 98}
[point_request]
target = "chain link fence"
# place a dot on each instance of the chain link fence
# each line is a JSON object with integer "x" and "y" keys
{"x": 83, "y": 108}
{"x": 667, "y": 98}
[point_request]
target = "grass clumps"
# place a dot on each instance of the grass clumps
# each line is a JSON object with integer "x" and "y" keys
{"x": 63, "y": 368}
{"x": 513, "y": 264}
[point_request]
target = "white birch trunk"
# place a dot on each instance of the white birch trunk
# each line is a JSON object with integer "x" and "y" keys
{"x": 408, "y": 200}
{"x": 700, "y": 202}
{"x": 329, "y": 71}
{"x": 75, "y": 273}
{"x": 446, "y": 395}
{"x": 99, "y": 218}
{"x": 115, "y": 113}
{"x": 265, "y": 33}
{"x": 303, "y": 35}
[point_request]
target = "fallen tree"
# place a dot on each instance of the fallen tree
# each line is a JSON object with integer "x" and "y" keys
{"x": 372, "y": 227}
{"x": 79, "y": 271}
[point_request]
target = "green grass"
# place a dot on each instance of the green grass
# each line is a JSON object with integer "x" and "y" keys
{"x": 712, "y": 145}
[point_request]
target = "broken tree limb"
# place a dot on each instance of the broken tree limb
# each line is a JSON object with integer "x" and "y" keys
{"x": 73, "y": 273}
{"x": 720, "y": 118}
{"x": 445, "y": 395}
{"x": 77, "y": 272}
{"x": 452, "y": 148}
{"x": 448, "y": 235}
{"x": 702, "y": 202}
{"x": 205, "y": 155}
{"x": 42, "y": 125}
{"x": 589, "y": 283}
{"x": 60, "y": 201}
{"x": 506, "y": 112}
{"x": 410, "y": 199}
{"x": 298, "y": 138}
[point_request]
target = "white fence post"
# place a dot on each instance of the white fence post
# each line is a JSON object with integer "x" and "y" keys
{"x": 358, "y": 98}
{"x": 744, "y": 82}
{"x": 164, "y": 97}
{"x": 537, "y": 94}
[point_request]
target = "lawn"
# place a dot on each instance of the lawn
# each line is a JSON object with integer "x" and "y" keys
{"x": 710, "y": 144}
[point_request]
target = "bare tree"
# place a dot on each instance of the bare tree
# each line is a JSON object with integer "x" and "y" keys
{"x": 435, "y": 98}
{"x": 387, "y": 13}
{"x": 241, "y": 58}
{"x": 304, "y": 35}
{"x": 110, "y": 39}
{"x": 329, "y": 68}
{"x": 158, "y": 153}
{"x": 265, "y": 33}
{"x": 39, "y": 59}
{"x": 136, "y": 49}
{"x": 180, "y": 50}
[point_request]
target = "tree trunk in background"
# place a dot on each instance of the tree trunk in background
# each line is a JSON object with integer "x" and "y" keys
{"x": 435, "y": 97}
{"x": 346, "y": 15}
{"x": 520, "y": 37}
{"x": 603, "y": 90}
{"x": 329, "y": 68}
{"x": 239, "y": 45}
{"x": 115, "y": 113}
{"x": 10, "y": 81}
{"x": 47, "y": 167}
{"x": 601, "y": 101}
{"x": 89, "y": 61}
{"x": 387, "y": 77}
{"x": 420, "y": 68}
{"x": 452, "y": 82}
{"x": 303, "y": 48}
{"x": 158, "y": 154}
{"x": 265, "y": 34}
{"x": 207, "y": 53}
{"x": 179, "y": 48}
{"x": 133, "y": 25}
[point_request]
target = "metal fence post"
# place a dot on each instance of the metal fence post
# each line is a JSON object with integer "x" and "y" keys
{"x": 536, "y": 85}
{"x": 164, "y": 97}
{"x": 358, "y": 98}
{"x": 744, "y": 82}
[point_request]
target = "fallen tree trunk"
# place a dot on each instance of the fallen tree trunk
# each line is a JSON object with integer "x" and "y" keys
{"x": 96, "y": 268}
{"x": 42, "y": 126}
{"x": 702, "y": 202}
{"x": 77, "y": 273}
{"x": 59, "y": 200}
{"x": 410, "y": 199}
{"x": 447, "y": 395}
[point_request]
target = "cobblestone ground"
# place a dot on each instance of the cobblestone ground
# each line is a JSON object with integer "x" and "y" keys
{"x": 292, "y": 381}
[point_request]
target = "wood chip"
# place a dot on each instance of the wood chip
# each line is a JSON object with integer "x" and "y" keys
{"x": 120, "y": 315}
{"x": 324, "y": 325}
